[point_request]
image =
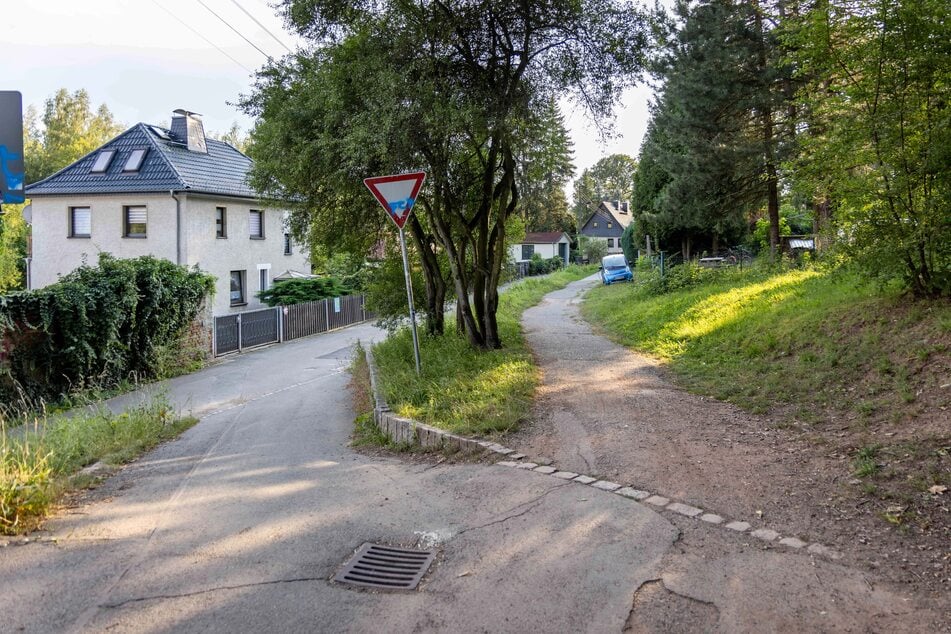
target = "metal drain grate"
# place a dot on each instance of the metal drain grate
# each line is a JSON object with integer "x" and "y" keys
{"x": 375, "y": 566}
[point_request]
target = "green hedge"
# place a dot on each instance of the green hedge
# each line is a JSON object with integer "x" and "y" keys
{"x": 298, "y": 291}
{"x": 95, "y": 327}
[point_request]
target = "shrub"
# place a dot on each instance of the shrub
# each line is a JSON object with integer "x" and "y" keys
{"x": 97, "y": 326}
{"x": 594, "y": 249}
{"x": 298, "y": 291}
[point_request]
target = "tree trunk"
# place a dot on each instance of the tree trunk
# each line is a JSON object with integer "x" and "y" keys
{"x": 435, "y": 284}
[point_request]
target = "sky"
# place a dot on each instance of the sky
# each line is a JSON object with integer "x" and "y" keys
{"x": 145, "y": 58}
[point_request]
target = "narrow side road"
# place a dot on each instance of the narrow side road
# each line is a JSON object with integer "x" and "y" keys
{"x": 607, "y": 412}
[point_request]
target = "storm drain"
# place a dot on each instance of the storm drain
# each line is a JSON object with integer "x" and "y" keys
{"x": 385, "y": 567}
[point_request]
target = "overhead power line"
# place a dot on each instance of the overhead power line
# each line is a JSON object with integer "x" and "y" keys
{"x": 241, "y": 35}
{"x": 199, "y": 34}
{"x": 256, "y": 21}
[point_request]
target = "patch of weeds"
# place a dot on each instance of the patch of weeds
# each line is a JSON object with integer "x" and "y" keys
{"x": 36, "y": 467}
{"x": 864, "y": 464}
{"x": 866, "y": 408}
{"x": 366, "y": 433}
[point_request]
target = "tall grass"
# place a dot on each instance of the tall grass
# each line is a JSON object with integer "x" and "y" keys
{"x": 465, "y": 390}
{"x": 36, "y": 464}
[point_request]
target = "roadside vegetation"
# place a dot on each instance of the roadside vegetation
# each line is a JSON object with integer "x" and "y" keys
{"x": 819, "y": 350}
{"x": 464, "y": 389}
{"x": 39, "y": 466}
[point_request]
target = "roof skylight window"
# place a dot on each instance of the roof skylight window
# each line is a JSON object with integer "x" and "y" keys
{"x": 135, "y": 161}
{"x": 102, "y": 162}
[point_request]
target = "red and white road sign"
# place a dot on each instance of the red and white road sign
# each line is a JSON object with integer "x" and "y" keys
{"x": 396, "y": 193}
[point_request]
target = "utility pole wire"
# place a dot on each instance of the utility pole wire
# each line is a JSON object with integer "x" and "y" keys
{"x": 235, "y": 2}
{"x": 228, "y": 24}
{"x": 193, "y": 30}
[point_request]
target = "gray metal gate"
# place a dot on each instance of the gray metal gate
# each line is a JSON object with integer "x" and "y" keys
{"x": 234, "y": 333}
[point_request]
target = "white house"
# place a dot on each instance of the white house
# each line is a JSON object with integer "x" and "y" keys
{"x": 547, "y": 244}
{"x": 169, "y": 193}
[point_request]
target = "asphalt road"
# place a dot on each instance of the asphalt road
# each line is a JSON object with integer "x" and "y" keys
{"x": 240, "y": 524}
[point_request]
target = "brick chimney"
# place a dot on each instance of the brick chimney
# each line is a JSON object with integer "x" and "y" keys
{"x": 188, "y": 130}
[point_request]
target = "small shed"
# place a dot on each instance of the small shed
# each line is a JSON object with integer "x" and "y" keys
{"x": 547, "y": 244}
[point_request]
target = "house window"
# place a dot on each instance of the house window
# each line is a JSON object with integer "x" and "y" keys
{"x": 221, "y": 222}
{"x": 287, "y": 244}
{"x": 134, "y": 161}
{"x": 528, "y": 250}
{"x": 595, "y": 224}
{"x": 102, "y": 162}
{"x": 610, "y": 225}
{"x": 135, "y": 221}
{"x": 80, "y": 222}
{"x": 610, "y": 243}
{"x": 237, "y": 288}
{"x": 262, "y": 278}
{"x": 257, "y": 224}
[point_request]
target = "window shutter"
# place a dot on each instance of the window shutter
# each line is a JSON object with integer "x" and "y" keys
{"x": 137, "y": 215}
{"x": 82, "y": 221}
{"x": 256, "y": 224}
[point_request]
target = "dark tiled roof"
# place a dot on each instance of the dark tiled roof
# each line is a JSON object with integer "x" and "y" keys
{"x": 542, "y": 237}
{"x": 168, "y": 166}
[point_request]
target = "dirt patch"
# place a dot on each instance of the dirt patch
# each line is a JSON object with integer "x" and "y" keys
{"x": 657, "y": 609}
{"x": 604, "y": 411}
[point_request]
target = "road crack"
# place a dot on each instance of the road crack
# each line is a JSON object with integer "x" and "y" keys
{"x": 529, "y": 504}
{"x": 161, "y": 597}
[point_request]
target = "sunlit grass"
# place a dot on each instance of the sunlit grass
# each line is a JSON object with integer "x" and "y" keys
{"x": 811, "y": 338}
{"x": 36, "y": 464}
{"x": 462, "y": 389}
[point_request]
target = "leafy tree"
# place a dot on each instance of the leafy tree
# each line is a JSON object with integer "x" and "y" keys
{"x": 611, "y": 178}
{"x": 450, "y": 87}
{"x": 544, "y": 167}
{"x": 235, "y": 136}
{"x": 70, "y": 129}
{"x": 877, "y": 147}
{"x": 14, "y": 234}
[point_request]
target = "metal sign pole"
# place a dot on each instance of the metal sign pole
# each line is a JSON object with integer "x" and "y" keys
{"x": 409, "y": 298}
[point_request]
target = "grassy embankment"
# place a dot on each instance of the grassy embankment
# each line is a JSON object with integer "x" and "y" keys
{"x": 817, "y": 350}
{"x": 38, "y": 467}
{"x": 464, "y": 390}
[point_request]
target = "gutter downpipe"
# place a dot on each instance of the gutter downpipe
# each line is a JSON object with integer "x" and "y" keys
{"x": 178, "y": 226}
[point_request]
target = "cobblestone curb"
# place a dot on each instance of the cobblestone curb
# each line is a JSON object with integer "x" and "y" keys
{"x": 408, "y": 431}
{"x": 405, "y": 430}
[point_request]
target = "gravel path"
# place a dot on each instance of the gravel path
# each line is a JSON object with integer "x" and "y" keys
{"x": 607, "y": 412}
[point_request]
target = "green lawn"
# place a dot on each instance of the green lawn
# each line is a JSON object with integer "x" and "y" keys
{"x": 814, "y": 339}
{"x": 465, "y": 390}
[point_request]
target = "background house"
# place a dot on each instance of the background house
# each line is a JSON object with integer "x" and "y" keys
{"x": 608, "y": 222}
{"x": 170, "y": 193}
{"x": 547, "y": 244}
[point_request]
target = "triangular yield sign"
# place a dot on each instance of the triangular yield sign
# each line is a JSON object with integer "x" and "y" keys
{"x": 396, "y": 193}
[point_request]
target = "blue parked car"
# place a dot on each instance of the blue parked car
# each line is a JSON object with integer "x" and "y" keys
{"x": 614, "y": 268}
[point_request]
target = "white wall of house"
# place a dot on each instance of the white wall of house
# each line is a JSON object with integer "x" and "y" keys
{"x": 545, "y": 250}
{"x": 238, "y": 251}
{"x": 55, "y": 253}
{"x": 613, "y": 244}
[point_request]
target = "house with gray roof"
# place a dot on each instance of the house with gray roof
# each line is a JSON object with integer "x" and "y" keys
{"x": 170, "y": 193}
{"x": 608, "y": 222}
